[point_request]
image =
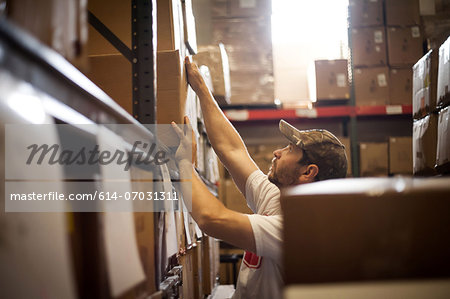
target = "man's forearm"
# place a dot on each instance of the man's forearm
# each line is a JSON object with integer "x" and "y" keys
{"x": 221, "y": 133}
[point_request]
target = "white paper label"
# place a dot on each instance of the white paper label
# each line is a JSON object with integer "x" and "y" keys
{"x": 415, "y": 32}
{"x": 306, "y": 113}
{"x": 377, "y": 49}
{"x": 378, "y": 36}
{"x": 382, "y": 82}
{"x": 394, "y": 109}
{"x": 341, "y": 80}
{"x": 247, "y": 3}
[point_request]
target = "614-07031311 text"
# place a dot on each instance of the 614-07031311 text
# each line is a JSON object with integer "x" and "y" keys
{"x": 97, "y": 195}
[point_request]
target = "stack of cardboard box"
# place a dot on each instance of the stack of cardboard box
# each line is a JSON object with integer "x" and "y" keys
{"x": 244, "y": 27}
{"x": 431, "y": 139}
{"x": 384, "y": 51}
{"x": 330, "y": 81}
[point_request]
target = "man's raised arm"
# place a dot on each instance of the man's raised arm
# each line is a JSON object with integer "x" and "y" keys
{"x": 224, "y": 138}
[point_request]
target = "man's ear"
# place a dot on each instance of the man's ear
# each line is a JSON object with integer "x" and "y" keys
{"x": 309, "y": 174}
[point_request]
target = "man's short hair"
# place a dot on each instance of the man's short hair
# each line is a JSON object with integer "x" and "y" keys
{"x": 319, "y": 147}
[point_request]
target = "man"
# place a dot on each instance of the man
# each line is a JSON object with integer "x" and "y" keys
{"x": 310, "y": 156}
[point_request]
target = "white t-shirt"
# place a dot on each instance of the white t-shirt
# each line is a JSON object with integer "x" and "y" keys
{"x": 260, "y": 275}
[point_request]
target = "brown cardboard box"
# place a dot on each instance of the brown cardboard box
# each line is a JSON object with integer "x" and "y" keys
{"x": 332, "y": 79}
{"x": 369, "y": 46}
{"x": 170, "y": 25}
{"x": 187, "y": 261}
{"x": 348, "y": 151}
{"x": 198, "y": 270}
{"x": 234, "y": 199}
{"x": 249, "y": 87}
{"x": 365, "y": 13}
{"x": 424, "y": 145}
{"x": 400, "y": 87}
{"x": 216, "y": 59}
{"x": 116, "y": 15}
{"x": 443, "y": 141}
{"x": 404, "y": 45}
{"x": 373, "y": 157}
{"x": 209, "y": 263}
{"x": 366, "y": 230}
{"x": 400, "y": 155}
{"x": 240, "y": 8}
{"x": 371, "y": 86}
{"x": 106, "y": 71}
{"x": 171, "y": 94}
{"x": 59, "y": 24}
{"x": 443, "y": 81}
{"x": 425, "y": 73}
{"x": 190, "y": 36}
{"x": 402, "y": 12}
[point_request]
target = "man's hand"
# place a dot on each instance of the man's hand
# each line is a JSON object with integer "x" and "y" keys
{"x": 194, "y": 76}
{"x": 187, "y": 150}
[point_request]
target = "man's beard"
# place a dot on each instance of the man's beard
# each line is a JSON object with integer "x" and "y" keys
{"x": 283, "y": 178}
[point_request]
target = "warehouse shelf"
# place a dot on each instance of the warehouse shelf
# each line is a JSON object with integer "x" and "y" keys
{"x": 241, "y": 115}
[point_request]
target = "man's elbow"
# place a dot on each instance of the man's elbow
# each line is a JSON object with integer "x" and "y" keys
{"x": 209, "y": 221}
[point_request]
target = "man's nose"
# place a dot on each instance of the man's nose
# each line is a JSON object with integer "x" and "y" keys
{"x": 277, "y": 153}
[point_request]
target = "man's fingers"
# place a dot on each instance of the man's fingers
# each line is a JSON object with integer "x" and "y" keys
{"x": 177, "y": 130}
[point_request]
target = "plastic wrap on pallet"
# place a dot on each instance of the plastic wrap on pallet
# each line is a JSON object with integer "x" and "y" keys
{"x": 443, "y": 142}
{"x": 443, "y": 80}
{"x": 424, "y": 84}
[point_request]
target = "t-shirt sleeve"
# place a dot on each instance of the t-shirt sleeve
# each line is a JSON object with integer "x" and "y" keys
{"x": 260, "y": 192}
{"x": 268, "y": 232}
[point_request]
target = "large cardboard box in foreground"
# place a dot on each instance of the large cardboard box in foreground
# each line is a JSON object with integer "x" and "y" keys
{"x": 366, "y": 229}
{"x": 365, "y": 13}
{"x": 371, "y": 86}
{"x": 424, "y": 145}
{"x": 373, "y": 157}
{"x": 404, "y": 45}
{"x": 331, "y": 80}
{"x": 443, "y": 141}
{"x": 400, "y": 155}
{"x": 369, "y": 46}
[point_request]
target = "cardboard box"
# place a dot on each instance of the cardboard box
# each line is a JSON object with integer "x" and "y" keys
{"x": 404, "y": 45}
{"x": 400, "y": 87}
{"x": 348, "y": 151}
{"x": 216, "y": 59}
{"x": 190, "y": 35}
{"x": 187, "y": 261}
{"x": 169, "y": 25}
{"x": 249, "y": 87}
{"x": 114, "y": 14}
{"x": 371, "y": 86}
{"x": 365, "y": 13}
{"x": 234, "y": 199}
{"x": 400, "y": 155}
{"x": 424, "y": 145}
{"x": 443, "y": 80}
{"x": 106, "y": 71}
{"x": 209, "y": 263}
{"x": 425, "y": 73}
{"x": 240, "y": 8}
{"x": 60, "y": 24}
{"x": 369, "y": 46}
{"x": 198, "y": 271}
{"x": 443, "y": 141}
{"x": 373, "y": 158}
{"x": 365, "y": 230}
{"x": 402, "y": 12}
{"x": 331, "y": 79}
{"x": 172, "y": 89}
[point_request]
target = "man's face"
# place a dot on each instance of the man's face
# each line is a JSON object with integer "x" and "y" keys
{"x": 285, "y": 169}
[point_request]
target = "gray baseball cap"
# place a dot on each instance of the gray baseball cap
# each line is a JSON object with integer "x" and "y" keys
{"x": 320, "y": 147}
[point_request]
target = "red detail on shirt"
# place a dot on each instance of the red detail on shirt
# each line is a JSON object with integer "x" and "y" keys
{"x": 252, "y": 260}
